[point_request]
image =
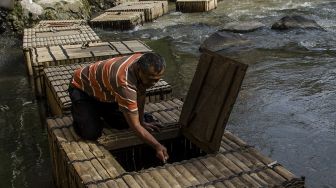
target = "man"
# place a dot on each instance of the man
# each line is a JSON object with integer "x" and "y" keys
{"x": 113, "y": 91}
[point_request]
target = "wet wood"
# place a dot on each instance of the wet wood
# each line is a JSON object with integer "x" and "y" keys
{"x": 205, "y": 113}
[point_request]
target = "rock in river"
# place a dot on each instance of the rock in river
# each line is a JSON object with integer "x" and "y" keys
{"x": 242, "y": 27}
{"x": 221, "y": 40}
{"x": 296, "y": 22}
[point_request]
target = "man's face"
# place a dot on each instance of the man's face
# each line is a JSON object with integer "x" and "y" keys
{"x": 149, "y": 78}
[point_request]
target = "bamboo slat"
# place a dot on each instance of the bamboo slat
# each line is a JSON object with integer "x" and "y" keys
{"x": 60, "y": 23}
{"x": 118, "y": 20}
{"x": 151, "y": 9}
{"x": 195, "y": 5}
{"x": 57, "y": 79}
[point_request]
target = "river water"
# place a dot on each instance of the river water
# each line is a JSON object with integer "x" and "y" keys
{"x": 286, "y": 107}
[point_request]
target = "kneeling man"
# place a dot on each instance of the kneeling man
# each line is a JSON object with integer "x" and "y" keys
{"x": 113, "y": 91}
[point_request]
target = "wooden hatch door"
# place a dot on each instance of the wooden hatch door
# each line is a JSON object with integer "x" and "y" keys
{"x": 210, "y": 99}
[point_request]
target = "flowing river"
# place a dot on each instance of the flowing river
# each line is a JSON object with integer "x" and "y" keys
{"x": 286, "y": 107}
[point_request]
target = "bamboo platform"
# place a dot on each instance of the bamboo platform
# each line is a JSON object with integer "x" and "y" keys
{"x": 78, "y": 163}
{"x": 151, "y": 9}
{"x": 51, "y": 36}
{"x": 60, "y": 23}
{"x": 118, "y": 20}
{"x": 68, "y": 54}
{"x": 195, "y": 5}
{"x": 57, "y": 80}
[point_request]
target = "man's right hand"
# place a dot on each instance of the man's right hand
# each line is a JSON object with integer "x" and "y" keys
{"x": 161, "y": 153}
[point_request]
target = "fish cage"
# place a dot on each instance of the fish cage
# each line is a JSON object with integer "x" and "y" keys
{"x": 151, "y": 9}
{"x": 118, "y": 20}
{"x": 54, "y": 36}
{"x": 202, "y": 153}
{"x": 195, "y": 5}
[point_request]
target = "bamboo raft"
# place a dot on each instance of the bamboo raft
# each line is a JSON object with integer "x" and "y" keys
{"x": 78, "y": 163}
{"x": 51, "y": 36}
{"x": 195, "y": 5}
{"x": 151, "y": 9}
{"x": 68, "y": 54}
{"x": 57, "y": 81}
{"x": 60, "y": 23}
{"x": 118, "y": 20}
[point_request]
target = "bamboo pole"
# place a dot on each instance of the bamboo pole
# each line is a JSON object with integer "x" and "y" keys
{"x": 158, "y": 178}
{"x": 149, "y": 180}
{"x": 183, "y": 181}
{"x": 172, "y": 181}
{"x": 187, "y": 173}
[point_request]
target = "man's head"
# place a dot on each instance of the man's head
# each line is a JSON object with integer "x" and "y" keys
{"x": 151, "y": 68}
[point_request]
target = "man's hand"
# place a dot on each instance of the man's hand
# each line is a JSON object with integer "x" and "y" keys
{"x": 161, "y": 153}
{"x": 153, "y": 126}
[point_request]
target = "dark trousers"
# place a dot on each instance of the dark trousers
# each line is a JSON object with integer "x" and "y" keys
{"x": 90, "y": 115}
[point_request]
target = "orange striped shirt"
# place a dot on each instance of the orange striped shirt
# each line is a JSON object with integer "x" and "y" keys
{"x": 111, "y": 80}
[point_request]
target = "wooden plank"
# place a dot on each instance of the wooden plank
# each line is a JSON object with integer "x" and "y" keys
{"x": 205, "y": 113}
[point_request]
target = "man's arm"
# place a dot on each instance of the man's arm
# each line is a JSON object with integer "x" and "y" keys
{"x": 134, "y": 123}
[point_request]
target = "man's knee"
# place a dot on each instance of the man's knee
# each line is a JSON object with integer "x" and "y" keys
{"x": 88, "y": 132}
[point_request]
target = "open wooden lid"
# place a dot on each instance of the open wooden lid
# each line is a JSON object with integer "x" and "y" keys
{"x": 210, "y": 99}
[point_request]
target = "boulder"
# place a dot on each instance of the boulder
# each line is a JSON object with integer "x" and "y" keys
{"x": 222, "y": 40}
{"x": 55, "y": 9}
{"x": 296, "y": 22}
{"x": 26, "y": 13}
{"x": 242, "y": 27}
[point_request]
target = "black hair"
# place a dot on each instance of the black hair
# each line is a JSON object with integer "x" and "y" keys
{"x": 151, "y": 59}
